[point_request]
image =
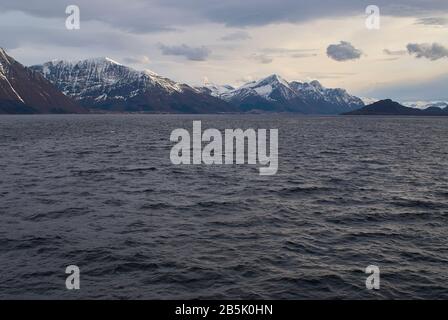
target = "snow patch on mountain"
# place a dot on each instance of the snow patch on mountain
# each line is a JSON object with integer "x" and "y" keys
{"x": 102, "y": 78}
{"x": 264, "y": 91}
{"x": 103, "y": 83}
{"x": 264, "y": 88}
{"x": 214, "y": 89}
{"x": 4, "y": 63}
{"x": 23, "y": 91}
{"x": 274, "y": 93}
{"x": 275, "y": 88}
{"x": 422, "y": 104}
{"x": 368, "y": 100}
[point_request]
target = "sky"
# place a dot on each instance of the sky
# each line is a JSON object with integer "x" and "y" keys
{"x": 235, "y": 41}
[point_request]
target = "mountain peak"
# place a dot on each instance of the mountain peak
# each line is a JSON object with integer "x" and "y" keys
{"x": 273, "y": 81}
{"x": 23, "y": 91}
{"x": 275, "y": 93}
{"x": 385, "y": 107}
{"x": 274, "y": 78}
{"x": 90, "y": 61}
{"x": 151, "y": 73}
{"x": 103, "y": 83}
{"x": 316, "y": 84}
{"x": 215, "y": 89}
{"x": 4, "y": 56}
{"x": 103, "y": 60}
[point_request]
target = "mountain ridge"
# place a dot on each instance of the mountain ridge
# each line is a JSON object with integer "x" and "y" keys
{"x": 275, "y": 94}
{"x": 24, "y": 91}
{"x": 390, "y": 107}
{"x": 103, "y": 83}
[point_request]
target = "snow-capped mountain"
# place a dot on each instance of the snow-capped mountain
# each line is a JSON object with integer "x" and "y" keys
{"x": 368, "y": 100}
{"x": 106, "y": 84}
{"x": 272, "y": 88}
{"x": 327, "y": 99}
{"x": 425, "y": 104}
{"x": 390, "y": 107}
{"x": 214, "y": 89}
{"x": 24, "y": 91}
{"x": 274, "y": 93}
{"x": 102, "y": 83}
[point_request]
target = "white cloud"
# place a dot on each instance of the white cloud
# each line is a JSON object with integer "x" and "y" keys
{"x": 137, "y": 60}
{"x": 237, "y": 36}
{"x": 262, "y": 58}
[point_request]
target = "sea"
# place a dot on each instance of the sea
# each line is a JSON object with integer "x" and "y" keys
{"x": 100, "y": 192}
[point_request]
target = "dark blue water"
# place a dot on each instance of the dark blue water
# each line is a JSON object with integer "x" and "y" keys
{"x": 100, "y": 192}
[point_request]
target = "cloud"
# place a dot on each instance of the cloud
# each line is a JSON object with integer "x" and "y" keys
{"x": 263, "y": 12}
{"x": 289, "y": 53}
{"x": 388, "y": 59}
{"x": 236, "y": 36}
{"x": 245, "y": 79}
{"x": 343, "y": 51}
{"x": 415, "y": 89}
{"x": 135, "y": 16}
{"x": 137, "y": 60}
{"x": 90, "y": 35}
{"x": 136, "y": 28}
{"x": 394, "y": 52}
{"x": 429, "y": 51}
{"x": 433, "y": 21}
{"x": 326, "y": 75}
{"x": 191, "y": 53}
{"x": 262, "y": 58}
{"x": 143, "y": 16}
{"x": 303, "y": 55}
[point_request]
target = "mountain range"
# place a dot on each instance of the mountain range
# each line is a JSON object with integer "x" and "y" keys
{"x": 25, "y": 91}
{"x": 102, "y": 84}
{"x": 424, "y": 104}
{"x": 275, "y": 94}
{"x": 389, "y": 107}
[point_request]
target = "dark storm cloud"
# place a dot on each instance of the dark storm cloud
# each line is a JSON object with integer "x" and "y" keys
{"x": 141, "y": 16}
{"x": 134, "y": 16}
{"x": 429, "y": 51}
{"x": 191, "y": 53}
{"x": 262, "y": 12}
{"x": 343, "y": 51}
